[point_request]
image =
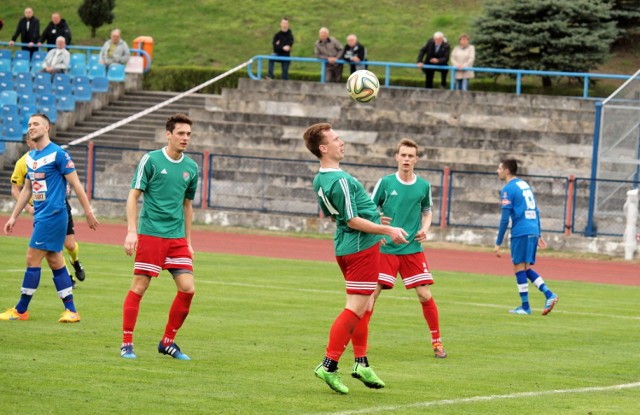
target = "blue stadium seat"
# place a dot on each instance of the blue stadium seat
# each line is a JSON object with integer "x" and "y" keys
{"x": 5, "y": 54}
{"x": 81, "y": 79}
{"x": 8, "y": 97}
{"x": 21, "y": 65}
{"x": 36, "y": 66}
{"x": 41, "y": 77}
{"x": 22, "y": 55}
{"x": 78, "y": 58}
{"x": 12, "y": 130}
{"x": 100, "y": 84}
{"x": 66, "y": 103}
{"x": 23, "y": 77}
{"x": 24, "y": 85}
{"x": 78, "y": 68}
{"x": 5, "y": 65}
{"x": 28, "y": 109}
{"x": 96, "y": 70}
{"x": 6, "y": 84}
{"x": 82, "y": 92}
{"x": 38, "y": 56}
{"x": 61, "y": 78}
{"x": 43, "y": 88}
{"x": 93, "y": 59}
{"x": 27, "y": 98}
{"x": 2, "y": 143}
{"x": 116, "y": 73}
{"x": 62, "y": 89}
{"x": 46, "y": 100}
{"x": 9, "y": 111}
{"x": 50, "y": 111}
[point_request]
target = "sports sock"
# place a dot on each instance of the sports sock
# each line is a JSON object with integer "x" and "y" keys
{"x": 330, "y": 365}
{"x": 130, "y": 311}
{"x": 62, "y": 281}
{"x": 430, "y": 313}
{"x": 30, "y": 283}
{"x": 360, "y": 336}
{"x": 523, "y": 288}
{"x": 177, "y": 315}
{"x": 340, "y": 333}
{"x": 537, "y": 280}
{"x": 363, "y": 361}
{"x": 74, "y": 253}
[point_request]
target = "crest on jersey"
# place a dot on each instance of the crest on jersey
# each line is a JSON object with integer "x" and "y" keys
{"x": 70, "y": 165}
{"x": 185, "y": 175}
{"x": 36, "y": 186}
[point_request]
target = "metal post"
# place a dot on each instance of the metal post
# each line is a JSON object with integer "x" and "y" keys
{"x": 90, "y": 169}
{"x": 444, "y": 199}
{"x": 387, "y": 75}
{"x": 206, "y": 167}
{"x": 568, "y": 214}
{"x": 519, "y": 83}
{"x": 591, "y": 230}
{"x": 585, "y": 88}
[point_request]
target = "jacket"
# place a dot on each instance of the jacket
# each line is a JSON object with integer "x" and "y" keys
{"x": 329, "y": 49}
{"x": 356, "y": 51}
{"x": 26, "y": 36}
{"x": 428, "y": 52}
{"x": 120, "y": 53}
{"x": 280, "y": 40}
{"x": 53, "y": 31}
{"x": 58, "y": 59}
{"x": 463, "y": 57}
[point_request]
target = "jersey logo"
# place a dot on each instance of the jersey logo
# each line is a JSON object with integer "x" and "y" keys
{"x": 36, "y": 187}
{"x": 164, "y": 171}
{"x": 394, "y": 193}
{"x": 185, "y": 175}
{"x": 70, "y": 164}
{"x": 505, "y": 202}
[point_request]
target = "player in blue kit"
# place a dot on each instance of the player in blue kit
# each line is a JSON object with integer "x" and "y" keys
{"x": 519, "y": 206}
{"x": 49, "y": 170}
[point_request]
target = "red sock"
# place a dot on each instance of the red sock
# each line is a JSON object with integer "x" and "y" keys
{"x": 360, "y": 337}
{"x": 177, "y": 315}
{"x": 430, "y": 312}
{"x": 130, "y": 316}
{"x": 340, "y": 333}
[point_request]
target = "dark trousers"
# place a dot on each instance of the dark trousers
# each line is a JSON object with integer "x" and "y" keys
{"x": 285, "y": 68}
{"x": 429, "y": 73}
{"x": 333, "y": 72}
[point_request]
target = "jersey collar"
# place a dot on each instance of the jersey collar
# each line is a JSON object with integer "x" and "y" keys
{"x": 164, "y": 151}
{"x": 407, "y": 183}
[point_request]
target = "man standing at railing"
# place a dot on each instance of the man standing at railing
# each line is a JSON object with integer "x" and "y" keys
{"x": 282, "y": 43}
{"x": 519, "y": 206}
{"x": 56, "y": 27}
{"x": 435, "y": 52}
{"x": 329, "y": 48}
{"x": 356, "y": 243}
{"x": 29, "y": 31}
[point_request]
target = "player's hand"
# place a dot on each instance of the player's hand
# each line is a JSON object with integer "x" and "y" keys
{"x": 131, "y": 243}
{"x": 29, "y": 208}
{"x": 542, "y": 244}
{"x": 385, "y": 220}
{"x": 190, "y": 248}
{"x": 92, "y": 221}
{"x": 8, "y": 227}
{"x": 496, "y": 249}
{"x": 398, "y": 235}
{"x": 421, "y": 236}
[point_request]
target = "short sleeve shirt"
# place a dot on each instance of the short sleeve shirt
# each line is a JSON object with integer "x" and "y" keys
{"x": 47, "y": 169}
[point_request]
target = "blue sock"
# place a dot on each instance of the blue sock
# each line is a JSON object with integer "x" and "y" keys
{"x": 62, "y": 280}
{"x": 523, "y": 288}
{"x": 537, "y": 280}
{"x": 29, "y": 285}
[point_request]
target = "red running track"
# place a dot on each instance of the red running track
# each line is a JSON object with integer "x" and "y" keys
{"x": 587, "y": 270}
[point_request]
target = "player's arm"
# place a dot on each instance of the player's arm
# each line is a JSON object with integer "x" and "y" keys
{"x": 15, "y": 192}
{"x": 74, "y": 182}
{"x": 188, "y": 218}
{"x": 397, "y": 235}
{"x": 131, "y": 240}
{"x": 427, "y": 217}
{"x": 502, "y": 229}
{"x": 22, "y": 201}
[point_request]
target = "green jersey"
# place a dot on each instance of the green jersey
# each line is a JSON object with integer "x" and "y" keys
{"x": 166, "y": 183}
{"x": 344, "y": 198}
{"x": 404, "y": 203}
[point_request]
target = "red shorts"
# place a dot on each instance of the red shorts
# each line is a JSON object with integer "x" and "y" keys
{"x": 155, "y": 254}
{"x": 360, "y": 270}
{"x": 413, "y": 269}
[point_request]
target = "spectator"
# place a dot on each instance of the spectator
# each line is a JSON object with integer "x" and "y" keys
{"x": 463, "y": 56}
{"x": 434, "y": 52}
{"x": 1, "y": 24}
{"x": 282, "y": 43}
{"x": 58, "y": 59}
{"x": 330, "y": 49}
{"x": 56, "y": 27}
{"x": 354, "y": 52}
{"x": 29, "y": 30}
{"x": 114, "y": 50}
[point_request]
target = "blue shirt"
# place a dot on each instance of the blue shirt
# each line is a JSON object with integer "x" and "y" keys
{"x": 519, "y": 206}
{"x": 46, "y": 171}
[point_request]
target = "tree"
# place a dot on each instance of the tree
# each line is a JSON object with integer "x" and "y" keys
{"x": 627, "y": 15}
{"x": 95, "y": 13}
{"x": 546, "y": 35}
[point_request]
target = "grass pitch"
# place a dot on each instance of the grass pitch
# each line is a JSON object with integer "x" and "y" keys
{"x": 258, "y": 327}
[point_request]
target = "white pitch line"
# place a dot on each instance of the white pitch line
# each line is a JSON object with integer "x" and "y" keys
{"x": 487, "y": 398}
{"x": 321, "y": 291}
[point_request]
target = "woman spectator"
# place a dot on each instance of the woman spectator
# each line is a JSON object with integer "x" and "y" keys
{"x": 462, "y": 57}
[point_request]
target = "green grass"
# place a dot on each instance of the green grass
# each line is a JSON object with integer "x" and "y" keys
{"x": 259, "y": 326}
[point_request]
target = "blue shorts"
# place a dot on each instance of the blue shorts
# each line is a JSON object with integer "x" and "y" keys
{"x": 49, "y": 232}
{"x": 523, "y": 249}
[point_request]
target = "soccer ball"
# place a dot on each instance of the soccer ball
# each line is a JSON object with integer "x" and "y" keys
{"x": 363, "y": 86}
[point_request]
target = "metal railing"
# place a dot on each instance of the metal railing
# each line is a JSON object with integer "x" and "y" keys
{"x": 387, "y": 66}
{"x": 88, "y": 50}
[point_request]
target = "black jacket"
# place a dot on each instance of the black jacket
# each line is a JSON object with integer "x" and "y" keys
{"x": 26, "y": 36}
{"x": 280, "y": 40}
{"x": 358, "y": 50}
{"x": 53, "y": 31}
{"x": 428, "y": 52}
